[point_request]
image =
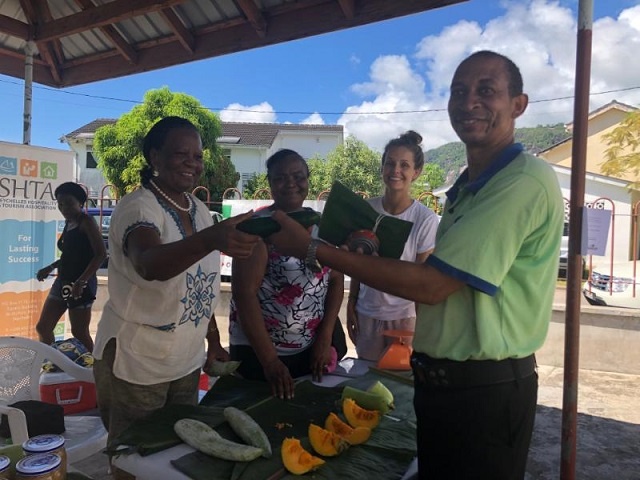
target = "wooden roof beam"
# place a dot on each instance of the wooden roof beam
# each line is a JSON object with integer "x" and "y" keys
{"x": 14, "y": 27}
{"x": 254, "y": 15}
{"x": 109, "y": 31}
{"x": 185, "y": 37}
{"x": 348, "y": 8}
{"x": 37, "y": 16}
{"x": 99, "y": 16}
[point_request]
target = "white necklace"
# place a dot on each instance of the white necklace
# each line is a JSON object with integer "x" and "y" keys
{"x": 173, "y": 202}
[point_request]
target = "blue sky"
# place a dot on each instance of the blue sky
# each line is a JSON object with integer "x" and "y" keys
{"x": 368, "y": 78}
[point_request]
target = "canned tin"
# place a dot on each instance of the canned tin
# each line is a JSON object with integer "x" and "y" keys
{"x": 47, "y": 443}
{"x": 5, "y": 463}
{"x": 40, "y": 466}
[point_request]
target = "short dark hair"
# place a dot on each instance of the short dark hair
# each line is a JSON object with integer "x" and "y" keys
{"x": 516, "y": 86}
{"x": 280, "y": 155}
{"x": 155, "y": 137}
{"x": 73, "y": 189}
{"x": 411, "y": 141}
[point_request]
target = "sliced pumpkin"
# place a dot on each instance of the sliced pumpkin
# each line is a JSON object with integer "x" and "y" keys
{"x": 326, "y": 443}
{"x": 358, "y": 416}
{"x": 296, "y": 459}
{"x": 354, "y": 436}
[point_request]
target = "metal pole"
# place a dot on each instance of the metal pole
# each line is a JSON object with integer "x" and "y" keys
{"x": 29, "y": 50}
{"x": 574, "y": 272}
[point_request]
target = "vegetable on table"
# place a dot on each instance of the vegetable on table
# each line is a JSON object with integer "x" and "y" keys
{"x": 248, "y": 430}
{"x": 202, "y": 437}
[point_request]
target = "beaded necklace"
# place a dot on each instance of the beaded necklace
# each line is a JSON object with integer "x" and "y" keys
{"x": 173, "y": 202}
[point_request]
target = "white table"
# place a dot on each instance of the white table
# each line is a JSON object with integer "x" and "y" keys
{"x": 158, "y": 465}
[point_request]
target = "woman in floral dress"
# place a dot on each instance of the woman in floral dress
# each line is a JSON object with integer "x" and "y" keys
{"x": 283, "y": 314}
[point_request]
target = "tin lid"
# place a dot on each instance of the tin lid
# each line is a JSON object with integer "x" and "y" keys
{"x": 43, "y": 443}
{"x": 4, "y": 462}
{"x": 39, "y": 463}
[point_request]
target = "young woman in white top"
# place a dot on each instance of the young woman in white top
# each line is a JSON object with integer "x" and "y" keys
{"x": 370, "y": 312}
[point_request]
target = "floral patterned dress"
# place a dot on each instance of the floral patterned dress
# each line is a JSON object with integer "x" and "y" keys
{"x": 292, "y": 300}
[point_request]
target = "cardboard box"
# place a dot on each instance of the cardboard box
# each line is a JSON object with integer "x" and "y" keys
{"x": 61, "y": 389}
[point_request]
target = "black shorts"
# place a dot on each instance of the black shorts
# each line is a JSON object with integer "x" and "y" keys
{"x": 61, "y": 289}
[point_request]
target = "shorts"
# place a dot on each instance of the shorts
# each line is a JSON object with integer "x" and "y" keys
{"x": 371, "y": 342}
{"x": 88, "y": 295}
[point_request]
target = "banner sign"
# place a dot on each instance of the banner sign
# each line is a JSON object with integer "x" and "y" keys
{"x": 30, "y": 224}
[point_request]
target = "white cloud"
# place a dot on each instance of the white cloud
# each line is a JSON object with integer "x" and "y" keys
{"x": 539, "y": 35}
{"x": 313, "y": 119}
{"x": 262, "y": 113}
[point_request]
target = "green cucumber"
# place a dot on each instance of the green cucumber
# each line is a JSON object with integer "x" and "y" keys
{"x": 265, "y": 225}
{"x": 202, "y": 437}
{"x": 366, "y": 400}
{"x": 248, "y": 430}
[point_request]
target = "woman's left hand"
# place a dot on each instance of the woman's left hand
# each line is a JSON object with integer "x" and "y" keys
{"x": 320, "y": 358}
{"x": 215, "y": 351}
{"x": 77, "y": 289}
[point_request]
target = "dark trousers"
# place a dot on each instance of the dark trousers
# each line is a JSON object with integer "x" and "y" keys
{"x": 251, "y": 369}
{"x": 480, "y": 432}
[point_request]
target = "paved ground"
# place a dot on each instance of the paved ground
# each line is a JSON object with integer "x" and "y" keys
{"x": 608, "y": 430}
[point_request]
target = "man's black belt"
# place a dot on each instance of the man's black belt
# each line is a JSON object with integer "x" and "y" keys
{"x": 445, "y": 373}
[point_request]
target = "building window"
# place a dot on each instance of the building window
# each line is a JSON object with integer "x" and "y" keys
{"x": 245, "y": 179}
{"x": 91, "y": 161}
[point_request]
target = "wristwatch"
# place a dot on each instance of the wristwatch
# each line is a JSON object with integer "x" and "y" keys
{"x": 310, "y": 261}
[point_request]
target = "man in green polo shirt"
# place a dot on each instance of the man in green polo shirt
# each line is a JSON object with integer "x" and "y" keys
{"x": 486, "y": 291}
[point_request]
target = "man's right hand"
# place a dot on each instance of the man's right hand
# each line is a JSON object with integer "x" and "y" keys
{"x": 278, "y": 376}
{"x": 292, "y": 239}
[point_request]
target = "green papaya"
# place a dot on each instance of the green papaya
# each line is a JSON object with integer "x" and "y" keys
{"x": 264, "y": 225}
{"x": 366, "y": 400}
{"x": 381, "y": 389}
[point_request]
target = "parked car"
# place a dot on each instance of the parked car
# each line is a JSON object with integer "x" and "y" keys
{"x": 617, "y": 290}
{"x": 104, "y": 224}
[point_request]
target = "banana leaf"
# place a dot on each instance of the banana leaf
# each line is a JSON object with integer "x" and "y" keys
{"x": 388, "y": 452}
{"x": 155, "y": 432}
{"x": 345, "y": 212}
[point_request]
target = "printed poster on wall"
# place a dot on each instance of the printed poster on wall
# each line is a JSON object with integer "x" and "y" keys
{"x": 30, "y": 224}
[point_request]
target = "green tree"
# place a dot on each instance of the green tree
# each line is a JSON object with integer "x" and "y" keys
{"x": 623, "y": 152}
{"x": 118, "y": 147}
{"x": 257, "y": 182}
{"x": 432, "y": 177}
{"x": 353, "y": 163}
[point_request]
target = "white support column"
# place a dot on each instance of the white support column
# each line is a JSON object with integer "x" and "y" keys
{"x": 29, "y": 50}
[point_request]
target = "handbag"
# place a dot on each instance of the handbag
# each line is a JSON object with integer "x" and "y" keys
{"x": 86, "y": 297}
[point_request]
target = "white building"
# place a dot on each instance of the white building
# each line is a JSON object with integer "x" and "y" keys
{"x": 248, "y": 145}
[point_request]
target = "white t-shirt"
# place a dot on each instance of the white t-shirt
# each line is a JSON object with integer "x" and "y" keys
{"x": 422, "y": 238}
{"x": 160, "y": 326}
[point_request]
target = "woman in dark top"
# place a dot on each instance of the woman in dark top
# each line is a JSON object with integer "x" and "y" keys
{"x": 82, "y": 254}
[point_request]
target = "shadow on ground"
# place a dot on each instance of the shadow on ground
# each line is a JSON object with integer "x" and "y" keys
{"x": 606, "y": 448}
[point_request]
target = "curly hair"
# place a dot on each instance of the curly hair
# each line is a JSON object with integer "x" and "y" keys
{"x": 73, "y": 189}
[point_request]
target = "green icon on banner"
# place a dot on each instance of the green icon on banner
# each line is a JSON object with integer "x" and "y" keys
{"x": 226, "y": 211}
{"x": 48, "y": 170}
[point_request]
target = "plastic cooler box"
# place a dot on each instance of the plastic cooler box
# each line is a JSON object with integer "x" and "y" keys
{"x": 72, "y": 395}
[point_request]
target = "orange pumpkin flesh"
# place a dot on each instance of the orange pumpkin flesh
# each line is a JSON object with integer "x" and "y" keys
{"x": 354, "y": 436}
{"x": 296, "y": 459}
{"x": 326, "y": 443}
{"x": 359, "y": 417}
